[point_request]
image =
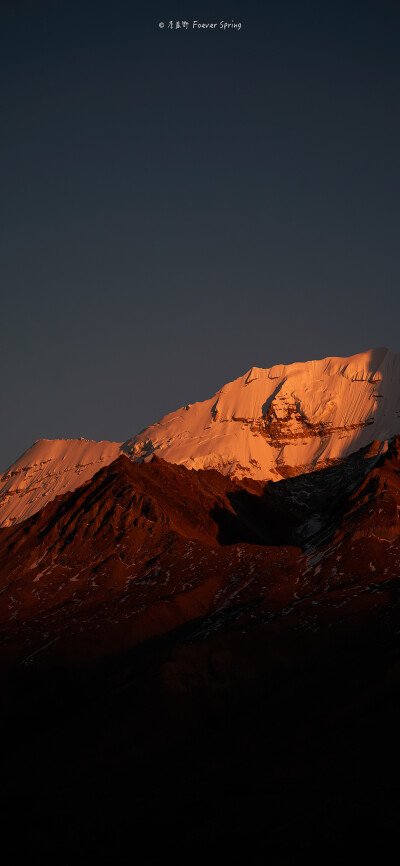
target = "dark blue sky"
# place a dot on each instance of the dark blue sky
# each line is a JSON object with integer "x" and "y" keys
{"x": 178, "y": 206}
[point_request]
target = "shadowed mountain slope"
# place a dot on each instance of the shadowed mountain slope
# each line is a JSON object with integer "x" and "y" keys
{"x": 180, "y": 638}
{"x": 148, "y": 547}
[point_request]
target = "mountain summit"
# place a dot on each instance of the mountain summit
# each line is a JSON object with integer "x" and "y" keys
{"x": 169, "y": 629}
{"x": 267, "y": 424}
{"x": 285, "y": 420}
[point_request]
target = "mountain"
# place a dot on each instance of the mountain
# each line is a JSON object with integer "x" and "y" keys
{"x": 168, "y": 633}
{"x": 176, "y": 641}
{"x": 141, "y": 549}
{"x": 268, "y": 424}
{"x": 48, "y": 469}
{"x": 285, "y": 420}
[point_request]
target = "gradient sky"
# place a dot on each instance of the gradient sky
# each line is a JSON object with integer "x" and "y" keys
{"x": 181, "y": 205}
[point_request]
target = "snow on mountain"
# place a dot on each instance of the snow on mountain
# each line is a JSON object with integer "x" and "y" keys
{"x": 283, "y": 420}
{"x": 49, "y": 468}
{"x": 267, "y": 424}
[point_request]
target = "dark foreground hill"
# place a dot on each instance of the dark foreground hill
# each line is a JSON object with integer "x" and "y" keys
{"x": 219, "y": 654}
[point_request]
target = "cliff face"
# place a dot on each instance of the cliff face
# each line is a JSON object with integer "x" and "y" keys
{"x": 266, "y": 425}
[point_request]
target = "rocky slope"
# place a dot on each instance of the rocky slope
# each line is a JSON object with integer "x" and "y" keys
{"x": 141, "y": 549}
{"x": 197, "y": 643}
{"x": 267, "y": 424}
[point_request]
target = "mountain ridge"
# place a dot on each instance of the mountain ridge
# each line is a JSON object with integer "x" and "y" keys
{"x": 139, "y": 549}
{"x": 167, "y": 628}
{"x": 267, "y": 424}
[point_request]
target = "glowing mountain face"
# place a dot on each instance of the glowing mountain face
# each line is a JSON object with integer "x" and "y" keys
{"x": 48, "y": 469}
{"x": 266, "y": 425}
{"x": 284, "y": 420}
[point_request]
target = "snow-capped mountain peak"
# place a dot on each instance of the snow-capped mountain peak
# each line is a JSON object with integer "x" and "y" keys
{"x": 267, "y": 424}
{"x": 286, "y": 419}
